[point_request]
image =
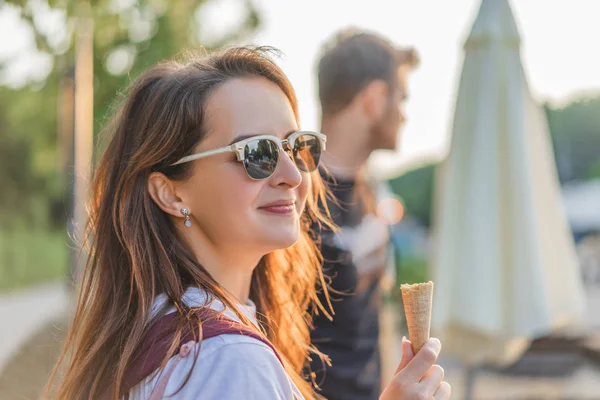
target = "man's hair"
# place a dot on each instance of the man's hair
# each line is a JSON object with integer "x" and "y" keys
{"x": 352, "y": 60}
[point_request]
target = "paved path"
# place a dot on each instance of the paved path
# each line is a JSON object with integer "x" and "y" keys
{"x": 25, "y": 311}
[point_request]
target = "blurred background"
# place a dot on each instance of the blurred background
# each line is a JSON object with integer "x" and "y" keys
{"x": 63, "y": 63}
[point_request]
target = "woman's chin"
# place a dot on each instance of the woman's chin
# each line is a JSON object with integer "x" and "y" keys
{"x": 282, "y": 239}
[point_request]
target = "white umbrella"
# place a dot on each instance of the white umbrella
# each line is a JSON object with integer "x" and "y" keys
{"x": 504, "y": 262}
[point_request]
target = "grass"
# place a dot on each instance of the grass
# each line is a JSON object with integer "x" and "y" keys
{"x": 31, "y": 256}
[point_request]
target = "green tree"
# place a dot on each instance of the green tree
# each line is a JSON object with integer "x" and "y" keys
{"x": 416, "y": 189}
{"x": 575, "y": 131}
{"x": 129, "y": 36}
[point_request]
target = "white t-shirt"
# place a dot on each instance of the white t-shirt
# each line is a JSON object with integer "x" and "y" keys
{"x": 228, "y": 367}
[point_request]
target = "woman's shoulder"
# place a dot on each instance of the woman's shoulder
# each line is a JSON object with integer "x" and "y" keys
{"x": 227, "y": 366}
{"x": 234, "y": 343}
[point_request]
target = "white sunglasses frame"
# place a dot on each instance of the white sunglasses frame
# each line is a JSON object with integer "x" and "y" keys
{"x": 239, "y": 147}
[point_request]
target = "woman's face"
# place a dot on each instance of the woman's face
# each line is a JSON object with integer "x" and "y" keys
{"x": 230, "y": 208}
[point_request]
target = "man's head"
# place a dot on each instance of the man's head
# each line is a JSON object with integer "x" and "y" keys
{"x": 364, "y": 75}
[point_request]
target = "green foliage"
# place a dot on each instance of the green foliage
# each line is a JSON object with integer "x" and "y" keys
{"x": 412, "y": 270}
{"x": 416, "y": 190}
{"x": 575, "y": 131}
{"x": 593, "y": 171}
{"x": 28, "y": 172}
{"x": 408, "y": 270}
{"x": 30, "y": 256}
{"x": 127, "y": 40}
{"x": 129, "y": 37}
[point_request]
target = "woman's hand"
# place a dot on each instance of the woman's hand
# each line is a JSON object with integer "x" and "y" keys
{"x": 417, "y": 376}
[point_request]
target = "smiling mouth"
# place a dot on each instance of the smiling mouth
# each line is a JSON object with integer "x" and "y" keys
{"x": 280, "y": 208}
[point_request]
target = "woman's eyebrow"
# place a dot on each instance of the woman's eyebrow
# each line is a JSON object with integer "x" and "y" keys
{"x": 239, "y": 138}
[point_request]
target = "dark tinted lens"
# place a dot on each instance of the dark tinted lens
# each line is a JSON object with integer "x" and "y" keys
{"x": 260, "y": 158}
{"x": 307, "y": 152}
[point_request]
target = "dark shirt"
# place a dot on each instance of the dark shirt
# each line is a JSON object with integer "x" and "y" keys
{"x": 351, "y": 340}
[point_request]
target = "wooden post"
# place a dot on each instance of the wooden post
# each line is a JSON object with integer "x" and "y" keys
{"x": 65, "y": 128}
{"x": 84, "y": 123}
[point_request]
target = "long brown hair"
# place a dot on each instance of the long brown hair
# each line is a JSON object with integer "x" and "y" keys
{"x": 134, "y": 251}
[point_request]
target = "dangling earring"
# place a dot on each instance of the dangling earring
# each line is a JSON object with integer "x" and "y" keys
{"x": 186, "y": 214}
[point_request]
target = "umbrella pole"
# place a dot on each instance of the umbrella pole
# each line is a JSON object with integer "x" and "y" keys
{"x": 84, "y": 127}
{"x": 470, "y": 381}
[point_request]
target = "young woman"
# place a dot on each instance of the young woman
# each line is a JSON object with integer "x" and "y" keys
{"x": 202, "y": 267}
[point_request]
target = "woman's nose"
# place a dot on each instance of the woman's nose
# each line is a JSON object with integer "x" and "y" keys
{"x": 287, "y": 173}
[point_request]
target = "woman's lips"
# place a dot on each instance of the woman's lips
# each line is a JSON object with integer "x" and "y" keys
{"x": 280, "y": 208}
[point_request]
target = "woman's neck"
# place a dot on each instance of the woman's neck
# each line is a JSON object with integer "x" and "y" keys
{"x": 235, "y": 280}
{"x": 231, "y": 268}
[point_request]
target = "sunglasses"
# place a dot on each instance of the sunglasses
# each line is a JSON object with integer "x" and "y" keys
{"x": 260, "y": 154}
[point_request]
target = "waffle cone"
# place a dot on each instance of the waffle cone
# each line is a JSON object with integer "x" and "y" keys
{"x": 417, "y": 301}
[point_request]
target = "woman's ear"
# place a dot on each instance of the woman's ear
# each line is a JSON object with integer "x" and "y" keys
{"x": 163, "y": 192}
{"x": 375, "y": 98}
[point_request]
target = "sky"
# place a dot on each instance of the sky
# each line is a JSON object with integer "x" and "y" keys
{"x": 559, "y": 42}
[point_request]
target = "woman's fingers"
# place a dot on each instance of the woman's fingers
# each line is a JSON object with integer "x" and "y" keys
{"x": 443, "y": 391}
{"x": 420, "y": 364}
{"x": 417, "y": 377}
{"x": 407, "y": 354}
{"x": 432, "y": 380}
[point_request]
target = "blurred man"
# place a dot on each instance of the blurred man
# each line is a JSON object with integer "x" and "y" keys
{"x": 362, "y": 88}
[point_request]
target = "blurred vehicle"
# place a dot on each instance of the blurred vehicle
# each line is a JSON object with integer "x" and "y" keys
{"x": 582, "y": 205}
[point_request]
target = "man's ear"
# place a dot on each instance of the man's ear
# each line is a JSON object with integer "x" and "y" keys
{"x": 375, "y": 98}
{"x": 163, "y": 192}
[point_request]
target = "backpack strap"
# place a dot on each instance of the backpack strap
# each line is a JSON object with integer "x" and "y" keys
{"x": 157, "y": 342}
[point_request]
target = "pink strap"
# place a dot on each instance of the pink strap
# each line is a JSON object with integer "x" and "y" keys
{"x": 159, "y": 390}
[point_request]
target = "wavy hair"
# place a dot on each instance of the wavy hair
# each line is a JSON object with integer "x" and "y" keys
{"x": 135, "y": 253}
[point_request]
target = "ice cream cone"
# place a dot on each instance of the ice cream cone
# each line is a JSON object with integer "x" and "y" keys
{"x": 417, "y": 300}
